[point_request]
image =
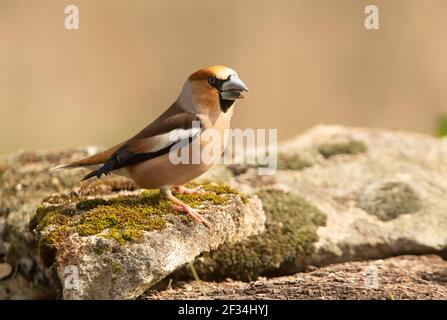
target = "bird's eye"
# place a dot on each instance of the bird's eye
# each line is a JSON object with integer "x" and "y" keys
{"x": 211, "y": 80}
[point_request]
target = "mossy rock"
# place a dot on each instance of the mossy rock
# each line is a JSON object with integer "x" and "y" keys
{"x": 389, "y": 199}
{"x": 285, "y": 161}
{"x": 293, "y": 161}
{"x": 291, "y": 231}
{"x": 121, "y": 218}
{"x": 351, "y": 147}
{"x": 308, "y": 157}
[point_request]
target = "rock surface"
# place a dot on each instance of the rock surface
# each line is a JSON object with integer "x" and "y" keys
{"x": 24, "y": 182}
{"x": 123, "y": 263}
{"x": 339, "y": 194}
{"x": 406, "y": 277}
{"x": 382, "y": 193}
{"x": 104, "y": 254}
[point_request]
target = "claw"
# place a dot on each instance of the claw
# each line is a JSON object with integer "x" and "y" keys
{"x": 194, "y": 213}
{"x": 179, "y": 205}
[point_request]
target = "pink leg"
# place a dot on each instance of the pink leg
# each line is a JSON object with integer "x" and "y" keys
{"x": 183, "y": 207}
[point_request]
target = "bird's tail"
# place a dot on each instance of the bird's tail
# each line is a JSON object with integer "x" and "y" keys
{"x": 92, "y": 174}
{"x": 61, "y": 167}
{"x": 73, "y": 165}
{"x": 95, "y": 173}
{"x": 94, "y": 162}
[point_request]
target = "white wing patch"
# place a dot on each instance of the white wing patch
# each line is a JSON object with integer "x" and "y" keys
{"x": 163, "y": 140}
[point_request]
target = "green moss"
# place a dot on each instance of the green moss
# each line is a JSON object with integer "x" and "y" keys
{"x": 288, "y": 161}
{"x": 293, "y": 161}
{"x": 291, "y": 230}
{"x": 48, "y": 243}
{"x": 100, "y": 250}
{"x": 349, "y": 147}
{"x": 116, "y": 267}
{"x": 214, "y": 191}
{"x": 123, "y": 218}
{"x": 152, "y": 198}
{"x": 219, "y": 189}
{"x": 89, "y": 204}
{"x": 441, "y": 127}
{"x": 123, "y": 223}
{"x": 47, "y": 252}
{"x": 41, "y": 212}
{"x": 389, "y": 200}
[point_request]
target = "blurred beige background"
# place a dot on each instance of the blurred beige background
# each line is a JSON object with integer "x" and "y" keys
{"x": 306, "y": 62}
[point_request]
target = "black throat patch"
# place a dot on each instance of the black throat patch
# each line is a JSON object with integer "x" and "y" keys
{"x": 225, "y": 104}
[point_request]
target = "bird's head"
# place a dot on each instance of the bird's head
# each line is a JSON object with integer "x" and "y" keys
{"x": 214, "y": 86}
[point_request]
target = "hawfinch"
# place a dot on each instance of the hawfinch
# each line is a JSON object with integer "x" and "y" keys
{"x": 205, "y": 102}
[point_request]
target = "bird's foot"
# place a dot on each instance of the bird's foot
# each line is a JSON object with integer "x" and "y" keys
{"x": 180, "y": 206}
{"x": 185, "y": 190}
{"x": 196, "y": 214}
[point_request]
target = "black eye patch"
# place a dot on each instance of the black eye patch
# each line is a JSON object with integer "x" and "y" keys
{"x": 216, "y": 83}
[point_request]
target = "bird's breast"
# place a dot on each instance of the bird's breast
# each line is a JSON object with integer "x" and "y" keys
{"x": 216, "y": 131}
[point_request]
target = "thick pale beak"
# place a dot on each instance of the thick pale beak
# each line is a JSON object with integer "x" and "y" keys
{"x": 233, "y": 88}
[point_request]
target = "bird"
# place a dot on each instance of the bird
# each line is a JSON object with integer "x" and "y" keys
{"x": 205, "y": 103}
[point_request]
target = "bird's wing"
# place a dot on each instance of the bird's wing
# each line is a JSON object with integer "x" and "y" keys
{"x": 153, "y": 141}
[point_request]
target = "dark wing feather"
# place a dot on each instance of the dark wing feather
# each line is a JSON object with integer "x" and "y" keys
{"x": 124, "y": 157}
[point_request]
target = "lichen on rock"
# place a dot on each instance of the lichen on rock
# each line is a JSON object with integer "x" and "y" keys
{"x": 291, "y": 230}
{"x": 331, "y": 149}
{"x": 293, "y": 161}
{"x": 121, "y": 218}
{"x": 135, "y": 234}
{"x": 389, "y": 199}
{"x": 381, "y": 193}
